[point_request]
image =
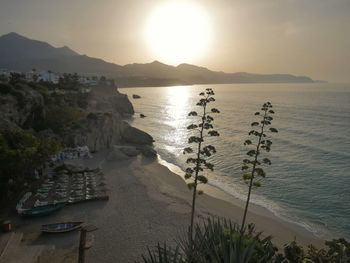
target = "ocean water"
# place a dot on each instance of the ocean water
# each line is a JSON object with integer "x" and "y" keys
{"x": 308, "y": 182}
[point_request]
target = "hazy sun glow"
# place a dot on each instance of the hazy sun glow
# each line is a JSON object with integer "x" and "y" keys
{"x": 178, "y": 32}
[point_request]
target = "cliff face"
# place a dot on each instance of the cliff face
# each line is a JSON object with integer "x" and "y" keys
{"x": 20, "y": 106}
{"x": 98, "y": 131}
{"x": 109, "y": 99}
{"x": 104, "y": 130}
{"x": 103, "y": 127}
{"x": 96, "y": 117}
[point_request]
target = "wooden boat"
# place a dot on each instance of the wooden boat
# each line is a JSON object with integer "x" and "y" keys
{"x": 61, "y": 227}
{"x": 42, "y": 210}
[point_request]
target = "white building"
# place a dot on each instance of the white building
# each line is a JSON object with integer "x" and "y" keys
{"x": 4, "y": 75}
{"x": 48, "y": 77}
{"x": 89, "y": 81}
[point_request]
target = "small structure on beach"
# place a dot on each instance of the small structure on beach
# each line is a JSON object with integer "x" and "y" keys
{"x": 72, "y": 153}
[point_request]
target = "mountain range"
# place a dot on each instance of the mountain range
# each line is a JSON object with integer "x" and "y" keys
{"x": 23, "y": 54}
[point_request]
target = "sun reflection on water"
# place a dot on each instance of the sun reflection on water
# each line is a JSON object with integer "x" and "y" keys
{"x": 177, "y": 107}
{"x": 177, "y": 104}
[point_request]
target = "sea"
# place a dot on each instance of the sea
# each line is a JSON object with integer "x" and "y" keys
{"x": 308, "y": 182}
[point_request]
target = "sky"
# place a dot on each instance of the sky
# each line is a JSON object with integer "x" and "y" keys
{"x": 301, "y": 37}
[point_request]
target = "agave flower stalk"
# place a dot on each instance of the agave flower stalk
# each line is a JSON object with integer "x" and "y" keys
{"x": 252, "y": 166}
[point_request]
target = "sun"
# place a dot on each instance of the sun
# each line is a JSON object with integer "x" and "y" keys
{"x": 178, "y": 32}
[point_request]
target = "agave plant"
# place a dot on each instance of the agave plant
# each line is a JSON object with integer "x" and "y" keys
{"x": 220, "y": 241}
{"x": 163, "y": 254}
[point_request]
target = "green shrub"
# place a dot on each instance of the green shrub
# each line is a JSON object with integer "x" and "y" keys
{"x": 336, "y": 251}
{"x": 59, "y": 117}
{"x": 76, "y": 126}
{"x": 43, "y": 90}
{"x": 92, "y": 116}
{"x": 20, "y": 153}
{"x": 8, "y": 89}
{"x": 5, "y": 88}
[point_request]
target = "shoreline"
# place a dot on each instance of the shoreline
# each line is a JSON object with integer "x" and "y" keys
{"x": 218, "y": 193}
{"x": 296, "y": 203}
{"x": 254, "y": 209}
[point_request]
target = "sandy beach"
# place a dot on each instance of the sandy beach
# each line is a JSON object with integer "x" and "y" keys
{"x": 148, "y": 204}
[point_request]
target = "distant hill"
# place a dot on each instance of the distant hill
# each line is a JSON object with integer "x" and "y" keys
{"x": 23, "y": 54}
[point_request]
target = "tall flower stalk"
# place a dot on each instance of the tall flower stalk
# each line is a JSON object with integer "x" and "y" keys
{"x": 252, "y": 166}
{"x": 201, "y": 129}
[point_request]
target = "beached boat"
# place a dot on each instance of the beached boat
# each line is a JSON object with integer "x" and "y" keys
{"x": 61, "y": 227}
{"x": 42, "y": 210}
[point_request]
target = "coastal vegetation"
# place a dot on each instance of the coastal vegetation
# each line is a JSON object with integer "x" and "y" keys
{"x": 21, "y": 153}
{"x": 59, "y": 117}
{"x": 252, "y": 167}
{"x": 201, "y": 130}
{"x": 221, "y": 241}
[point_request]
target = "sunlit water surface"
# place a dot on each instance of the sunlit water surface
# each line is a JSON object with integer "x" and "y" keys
{"x": 309, "y": 180}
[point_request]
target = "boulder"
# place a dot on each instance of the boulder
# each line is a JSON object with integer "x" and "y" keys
{"x": 135, "y": 96}
{"x": 148, "y": 151}
{"x": 133, "y": 135}
{"x": 130, "y": 151}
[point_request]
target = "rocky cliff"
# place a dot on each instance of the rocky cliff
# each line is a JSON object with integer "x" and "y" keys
{"x": 109, "y": 99}
{"x": 93, "y": 118}
{"x": 19, "y": 106}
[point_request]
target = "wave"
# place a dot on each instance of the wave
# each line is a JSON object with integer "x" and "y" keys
{"x": 307, "y": 183}
{"x": 234, "y": 190}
